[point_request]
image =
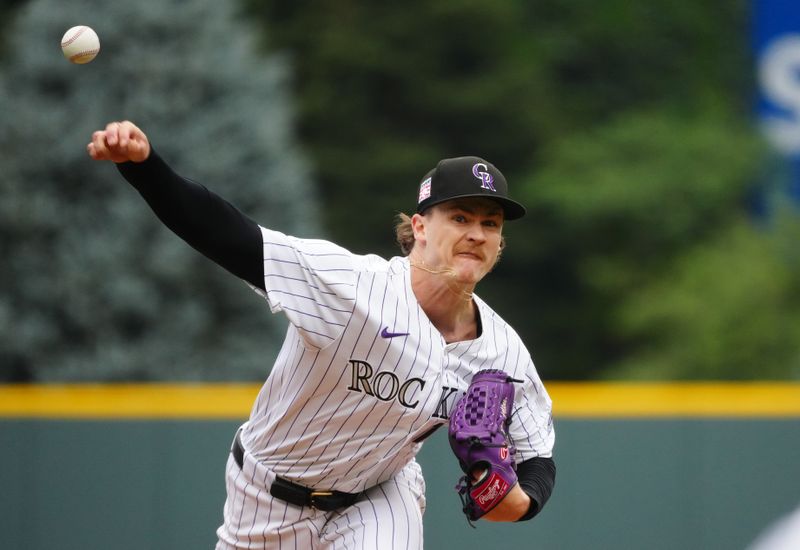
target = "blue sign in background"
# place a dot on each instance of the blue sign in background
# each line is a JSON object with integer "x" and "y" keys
{"x": 776, "y": 36}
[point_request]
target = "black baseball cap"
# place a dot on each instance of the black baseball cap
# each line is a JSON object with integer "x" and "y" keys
{"x": 462, "y": 177}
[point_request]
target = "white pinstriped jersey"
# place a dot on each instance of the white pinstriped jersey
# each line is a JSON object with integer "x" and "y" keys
{"x": 363, "y": 373}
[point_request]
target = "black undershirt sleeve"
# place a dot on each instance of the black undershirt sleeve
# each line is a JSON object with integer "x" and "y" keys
{"x": 537, "y": 477}
{"x": 211, "y": 225}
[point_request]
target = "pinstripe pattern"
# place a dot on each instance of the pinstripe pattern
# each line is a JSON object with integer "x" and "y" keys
{"x": 343, "y": 405}
{"x": 388, "y": 516}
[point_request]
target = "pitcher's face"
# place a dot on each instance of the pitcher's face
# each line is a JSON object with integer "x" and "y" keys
{"x": 461, "y": 236}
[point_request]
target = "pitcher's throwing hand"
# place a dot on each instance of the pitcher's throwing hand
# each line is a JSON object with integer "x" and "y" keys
{"x": 119, "y": 142}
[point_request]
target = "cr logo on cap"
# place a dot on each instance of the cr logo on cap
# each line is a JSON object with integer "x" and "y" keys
{"x": 485, "y": 177}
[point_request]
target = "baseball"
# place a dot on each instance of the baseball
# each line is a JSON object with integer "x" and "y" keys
{"x": 80, "y": 44}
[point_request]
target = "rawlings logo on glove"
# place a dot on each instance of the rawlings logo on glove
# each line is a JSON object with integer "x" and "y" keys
{"x": 479, "y": 438}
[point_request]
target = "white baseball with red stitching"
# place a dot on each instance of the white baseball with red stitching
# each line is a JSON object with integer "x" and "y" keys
{"x": 80, "y": 44}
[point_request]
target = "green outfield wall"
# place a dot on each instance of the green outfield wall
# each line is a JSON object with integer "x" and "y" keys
{"x": 125, "y": 467}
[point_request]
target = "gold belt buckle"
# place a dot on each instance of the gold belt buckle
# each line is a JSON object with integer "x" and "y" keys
{"x": 315, "y": 494}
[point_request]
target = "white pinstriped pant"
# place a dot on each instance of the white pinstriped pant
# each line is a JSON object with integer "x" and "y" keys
{"x": 389, "y": 516}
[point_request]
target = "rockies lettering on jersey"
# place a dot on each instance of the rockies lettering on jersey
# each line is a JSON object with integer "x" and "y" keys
{"x": 363, "y": 380}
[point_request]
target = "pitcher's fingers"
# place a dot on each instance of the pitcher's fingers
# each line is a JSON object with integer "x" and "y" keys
{"x": 129, "y": 132}
{"x": 125, "y": 134}
{"x": 112, "y": 133}
{"x": 95, "y": 154}
{"x": 99, "y": 145}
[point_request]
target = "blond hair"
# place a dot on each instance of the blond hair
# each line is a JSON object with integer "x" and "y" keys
{"x": 404, "y": 233}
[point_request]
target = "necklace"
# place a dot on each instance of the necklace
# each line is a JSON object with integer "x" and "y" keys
{"x": 449, "y": 272}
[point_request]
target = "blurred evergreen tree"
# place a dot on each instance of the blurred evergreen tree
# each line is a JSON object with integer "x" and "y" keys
{"x": 92, "y": 285}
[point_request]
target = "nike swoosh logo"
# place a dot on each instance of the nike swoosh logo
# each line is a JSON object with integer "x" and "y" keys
{"x": 386, "y": 334}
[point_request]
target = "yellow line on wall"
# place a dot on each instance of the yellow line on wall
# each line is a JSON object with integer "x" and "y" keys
{"x": 676, "y": 399}
{"x": 233, "y": 401}
{"x": 201, "y": 401}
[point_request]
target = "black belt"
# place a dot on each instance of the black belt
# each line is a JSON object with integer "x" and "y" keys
{"x": 327, "y": 501}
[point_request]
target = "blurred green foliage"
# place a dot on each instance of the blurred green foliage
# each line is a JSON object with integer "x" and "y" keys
{"x": 668, "y": 274}
{"x": 626, "y": 129}
{"x": 8, "y": 9}
{"x": 727, "y": 308}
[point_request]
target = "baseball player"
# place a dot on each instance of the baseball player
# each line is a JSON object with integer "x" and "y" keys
{"x": 376, "y": 356}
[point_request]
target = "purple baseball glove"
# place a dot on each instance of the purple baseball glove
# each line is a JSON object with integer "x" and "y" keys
{"x": 479, "y": 438}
